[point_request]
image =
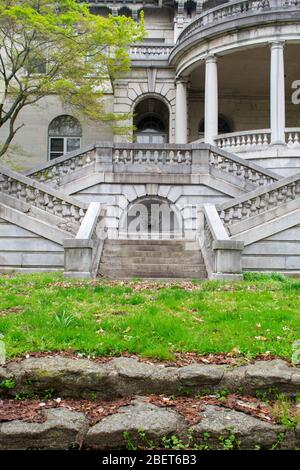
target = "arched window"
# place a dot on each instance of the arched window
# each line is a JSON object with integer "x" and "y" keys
{"x": 151, "y": 122}
{"x": 65, "y": 134}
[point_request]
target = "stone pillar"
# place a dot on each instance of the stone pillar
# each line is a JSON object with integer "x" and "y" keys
{"x": 277, "y": 94}
{"x": 181, "y": 112}
{"x": 211, "y": 100}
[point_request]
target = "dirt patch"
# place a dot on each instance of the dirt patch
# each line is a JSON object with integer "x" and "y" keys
{"x": 10, "y": 310}
{"x": 190, "y": 408}
{"x": 181, "y": 359}
{"x": 33, "y": 410}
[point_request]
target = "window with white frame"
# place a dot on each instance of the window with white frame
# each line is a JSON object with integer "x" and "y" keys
{"x": 65, "y": 135}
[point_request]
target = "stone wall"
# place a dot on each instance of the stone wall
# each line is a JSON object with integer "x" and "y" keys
{"x": 23, "y": 249}
{"x": 279, "y": 252}
{"x": 30, "y": 146}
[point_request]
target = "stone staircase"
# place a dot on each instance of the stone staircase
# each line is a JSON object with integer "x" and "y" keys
{"x": 152, "y": 259}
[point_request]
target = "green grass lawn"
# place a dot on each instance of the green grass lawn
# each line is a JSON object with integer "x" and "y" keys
{"x": 47, "y": 313}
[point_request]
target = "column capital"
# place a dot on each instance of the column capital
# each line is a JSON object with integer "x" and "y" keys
{"x": 211, "y": 59}
{"x": 182, "y": 80}
{"x": 277, "y": 44}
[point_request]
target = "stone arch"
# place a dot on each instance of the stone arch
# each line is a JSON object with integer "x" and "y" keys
{"x": 152, "y": 112}
{"x": 151, "y": 217}
{"x": 128, "y": 95}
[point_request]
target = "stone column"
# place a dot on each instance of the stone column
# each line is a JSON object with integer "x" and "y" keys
{"x": 211, "y": 100}
{"x": 181, "y": 112}
{"x": 277, "y": 94}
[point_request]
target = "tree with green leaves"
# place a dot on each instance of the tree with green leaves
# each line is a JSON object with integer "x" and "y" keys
{"x": 59, "y": 47}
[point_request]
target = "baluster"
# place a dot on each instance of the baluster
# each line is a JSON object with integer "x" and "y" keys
{"x": 235, "y": 214}
{"x": 253, "y": 207}
{"x": 223, "y": 164}
{"x": 13, "y": 187}
{"x": 297, "y": 188}
{"x": 227, "y": 216}
{"x": 279, "y": 196}
{"x": 245, "y": 209}
{"x": 188, "y": 157}
{"x": 290, "y": 139}
{"x": 116, "y": 156}
{"x": 289, "y": 192}
{"x": 259, "y": 140}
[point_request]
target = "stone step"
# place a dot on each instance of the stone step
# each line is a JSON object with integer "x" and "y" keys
{"x": 149, "y": 260}
{"x": 151, "y": 248}
{"x": 150, "y": 272}
{"x": 152, "y": 259}
{"x": 146, "y": 242}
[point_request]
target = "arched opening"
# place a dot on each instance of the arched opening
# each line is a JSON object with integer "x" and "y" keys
{"x": 151, "y": 121}
{"x": 224, "y": 126}
{"x": 64, "y": 135}
{"x": 151, "y": 218}
{"x": 125, "y": 11}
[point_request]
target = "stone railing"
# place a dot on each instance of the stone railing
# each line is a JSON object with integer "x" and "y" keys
{"x": 260, "y": 200}
{"x": 161, "y": 158}
{"x": 258, "y": 139}
{"x": 154, "y": 155}
{"x": 244, "y": 170}
{"x": 245, "y": 140}
{"x": 83, "y": 253}
{"x": 55, "y": 170}
{"x": 222, "y": 256}
{"x": 17, "y": 187}
{"x": 234, "y": 10}
{"x": 292, "y": 136}
{"x": 150, "y": 51}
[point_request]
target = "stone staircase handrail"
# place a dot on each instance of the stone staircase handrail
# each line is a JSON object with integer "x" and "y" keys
{"x": 242, "y": 168}
{"x": 222, "y": 256}
{"x": 83, "y": 253}
{"x": 41, "y": 196}
{"x": 260, "y": 200}
{"x": 54, "y": 169}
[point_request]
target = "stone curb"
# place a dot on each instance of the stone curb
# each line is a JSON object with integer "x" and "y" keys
{"x": 123, "y": 377}
{"x": 145, "y": 425}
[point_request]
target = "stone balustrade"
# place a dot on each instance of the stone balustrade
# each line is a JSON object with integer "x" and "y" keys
{"x": 244, "y": 170}
{"x": 157, "y": 155}
{"x": 143, "y": 158}
{"x": 42, "y": 197}
{"x": 234, "y": 10}
{"x": 56, "y": 169}
{"x": 247, "y": 140}
{"x": 260, "y": 200}
{"x": 259, "y": 139}
{"x": 141, "y": 52}
{"x": 292, "y": 136}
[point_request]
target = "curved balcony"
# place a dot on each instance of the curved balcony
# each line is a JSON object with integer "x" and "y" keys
{"x": 258, "y": 139}
{"x": 234, "y": 16}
